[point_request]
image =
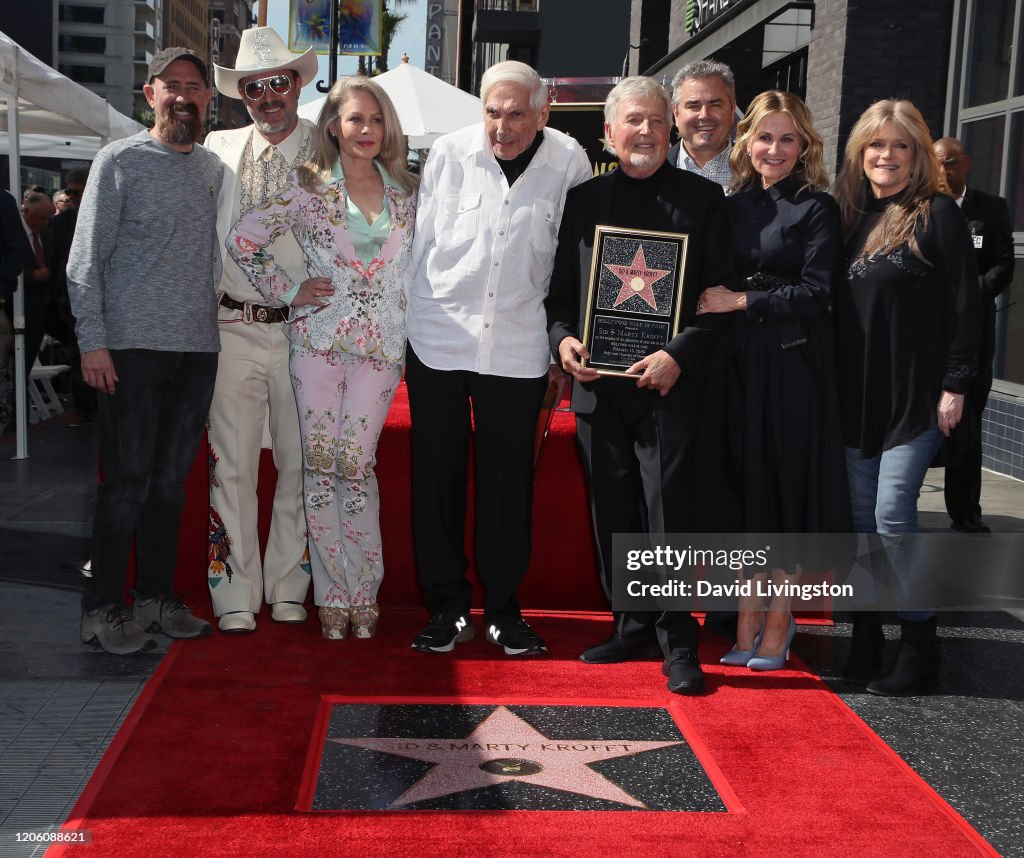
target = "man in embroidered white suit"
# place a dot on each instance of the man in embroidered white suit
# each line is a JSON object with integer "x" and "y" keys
{"x": 253, "y": 403}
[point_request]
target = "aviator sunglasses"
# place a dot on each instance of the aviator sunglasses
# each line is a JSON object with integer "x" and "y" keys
{"x": 279, "y": 83}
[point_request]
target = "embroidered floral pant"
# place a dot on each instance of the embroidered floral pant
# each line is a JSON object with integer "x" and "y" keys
{"x": 343, "y": 402}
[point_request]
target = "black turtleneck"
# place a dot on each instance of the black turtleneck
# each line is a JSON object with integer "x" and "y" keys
{"x": 513, "y": 168}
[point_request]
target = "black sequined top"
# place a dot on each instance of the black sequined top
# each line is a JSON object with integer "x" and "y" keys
{"x": 906, "y": 329}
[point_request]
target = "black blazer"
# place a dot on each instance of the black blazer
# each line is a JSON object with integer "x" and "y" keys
{"x": 685, "y": 203}
{"x": 36, "y": 293}
{"x": 63, "y": 229}
{"x": 988, "y": 217}
{"x": 15, "y": 251}
{"x": 46, "y": 239}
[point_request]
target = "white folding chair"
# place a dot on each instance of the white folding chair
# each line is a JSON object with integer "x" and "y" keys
{"x": 44, "y": 398}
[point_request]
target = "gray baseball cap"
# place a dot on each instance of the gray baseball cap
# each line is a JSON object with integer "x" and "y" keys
{"x": 168, "y": 55}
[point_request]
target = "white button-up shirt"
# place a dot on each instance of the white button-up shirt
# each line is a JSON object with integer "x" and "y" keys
{"x": 483, "y": 252}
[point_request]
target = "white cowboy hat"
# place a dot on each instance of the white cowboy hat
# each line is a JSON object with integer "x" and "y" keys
{"x": 262, "y": 51}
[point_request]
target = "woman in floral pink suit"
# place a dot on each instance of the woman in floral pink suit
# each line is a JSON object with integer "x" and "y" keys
{"x": 352, "y": 210}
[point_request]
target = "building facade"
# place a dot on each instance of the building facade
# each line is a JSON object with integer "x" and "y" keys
{"x": 107, "y": 45}
{"x": 960, "y": 61}
{"x": 559, "y": 38}
{"x": 441, "y": 54}
{"x": 228, "y": 18}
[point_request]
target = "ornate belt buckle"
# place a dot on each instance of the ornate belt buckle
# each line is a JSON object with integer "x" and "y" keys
{"x": 261, "y": 314}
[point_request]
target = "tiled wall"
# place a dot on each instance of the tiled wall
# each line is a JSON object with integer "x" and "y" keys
{"x": 1002, "y": 435}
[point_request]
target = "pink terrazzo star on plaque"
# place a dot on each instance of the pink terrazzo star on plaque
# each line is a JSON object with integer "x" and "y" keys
{"x": 504, "y": 747}
{"x": 637, "y": 279}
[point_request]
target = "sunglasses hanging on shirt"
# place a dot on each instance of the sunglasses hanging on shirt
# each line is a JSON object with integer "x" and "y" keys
{"x": 279, "y": 83}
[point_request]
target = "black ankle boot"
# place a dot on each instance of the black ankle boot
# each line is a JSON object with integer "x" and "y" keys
{"x": 866, "y": 647}
{"x": 916, "y": 670}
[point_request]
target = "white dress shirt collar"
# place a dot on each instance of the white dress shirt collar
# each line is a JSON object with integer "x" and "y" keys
{"x": 289, "y": 147}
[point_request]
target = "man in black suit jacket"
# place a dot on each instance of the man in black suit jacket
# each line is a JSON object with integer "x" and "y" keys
{"x": 704, "y": 107}
{"x": 14, "y": 253}
{"x": 42, "y": 315}
{"x": 14, "y": 247}
{"x": 989, "y": 222}
{"x": 36, "y": 211}
{"x": 62, "y": 228}
{"x": 636, "y": 435}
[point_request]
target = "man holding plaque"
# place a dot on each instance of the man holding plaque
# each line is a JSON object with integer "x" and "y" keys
{"x": 490, "y": 202}
{"x": 636, "y": 248}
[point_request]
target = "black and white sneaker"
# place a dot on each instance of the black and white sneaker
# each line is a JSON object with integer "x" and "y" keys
{"x": 516, "y": 637}
{"x": 443, "y": 632}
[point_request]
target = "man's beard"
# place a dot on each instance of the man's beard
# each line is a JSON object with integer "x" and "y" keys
{"x": 265, "y": 127}
{"x": 642, "y": 160}
{"x": 178, "y": 131}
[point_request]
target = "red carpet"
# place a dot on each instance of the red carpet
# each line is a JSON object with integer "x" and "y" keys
{"x": 210, "y": 761}
{"x": 562, "y": 574}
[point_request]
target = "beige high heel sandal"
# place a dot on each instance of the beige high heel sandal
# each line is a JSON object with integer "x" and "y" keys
{"x": 334, "y": 622}
{"x": 364, "y": 620}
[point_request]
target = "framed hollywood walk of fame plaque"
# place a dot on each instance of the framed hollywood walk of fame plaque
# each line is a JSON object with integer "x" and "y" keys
{"x": 635, "y": 296}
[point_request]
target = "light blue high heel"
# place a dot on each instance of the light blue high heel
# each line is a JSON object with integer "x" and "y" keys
{"x": 775, "y": 662}
{"x": 739, "y": 657}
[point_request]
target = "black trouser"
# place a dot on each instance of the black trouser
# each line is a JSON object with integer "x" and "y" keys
{"x": 504, "y": 414}
{"x": 635, "y": 453}
{"x": 150, "y": 430}
{"x": 963, "y": 446}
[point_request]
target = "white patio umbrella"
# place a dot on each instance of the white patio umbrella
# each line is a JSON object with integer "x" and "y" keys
{"x": 427, "y": 107}
{"x": 39, "y": 100}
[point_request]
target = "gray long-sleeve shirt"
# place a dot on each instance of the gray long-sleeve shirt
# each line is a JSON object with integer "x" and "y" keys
{"x": 145, "y": 260}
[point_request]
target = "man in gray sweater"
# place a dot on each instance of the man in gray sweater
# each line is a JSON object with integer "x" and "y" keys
{"x": 142, "y": 278}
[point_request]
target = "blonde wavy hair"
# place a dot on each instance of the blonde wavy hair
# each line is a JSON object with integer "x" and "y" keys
{"x": 809, "y": 171}
{"x": 900, "y": 221}
{"x": 393, "y": 150}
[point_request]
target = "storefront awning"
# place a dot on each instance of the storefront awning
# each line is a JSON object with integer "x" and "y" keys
{"x": 720, "y": 33}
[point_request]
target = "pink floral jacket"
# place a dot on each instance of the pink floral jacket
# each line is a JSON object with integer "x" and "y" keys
{"x": 366, "y": 315}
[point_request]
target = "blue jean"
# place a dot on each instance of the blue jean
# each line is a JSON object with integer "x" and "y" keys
{"x": 884, "y": 489}
{"x": 150, "y": 429}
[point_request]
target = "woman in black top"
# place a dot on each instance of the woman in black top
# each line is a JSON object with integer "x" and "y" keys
{"x": 907, "y": 324}
{"x": 772, "y": 397}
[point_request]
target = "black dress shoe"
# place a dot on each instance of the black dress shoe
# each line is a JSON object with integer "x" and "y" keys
{"x": 970, "y": 525}
{"x": 618, "y": 648}
{"x": 684, "y": 673}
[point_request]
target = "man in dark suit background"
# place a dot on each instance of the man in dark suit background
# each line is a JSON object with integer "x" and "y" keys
{"x": 42, "y": 315}
{"x": 989, "y": 222}
{"x": 636, "y": 435}
{"x": 704, "y": 108}
{"x": 14, "y": 247}
{"x": 62, "y": 227}
{"x": 14, "y": 253}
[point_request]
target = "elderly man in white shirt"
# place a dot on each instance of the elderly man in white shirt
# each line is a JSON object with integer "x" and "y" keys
{"x": 490, "y": 204}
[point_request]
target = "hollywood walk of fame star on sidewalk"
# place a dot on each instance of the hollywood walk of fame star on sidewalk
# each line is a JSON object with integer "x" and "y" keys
{"x": 637, "y": 279}
{"x": 505, "y": 736}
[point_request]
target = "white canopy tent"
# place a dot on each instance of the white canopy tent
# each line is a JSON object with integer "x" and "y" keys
{"x": 39, "y": 100}
{"x": 427, "y": 107}
{"x": 73, "y": 147}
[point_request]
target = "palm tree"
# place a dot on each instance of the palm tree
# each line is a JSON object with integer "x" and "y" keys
{"x": 389, "y": 26}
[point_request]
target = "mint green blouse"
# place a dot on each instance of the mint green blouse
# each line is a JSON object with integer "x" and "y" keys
{"x": 367, "y": 238}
